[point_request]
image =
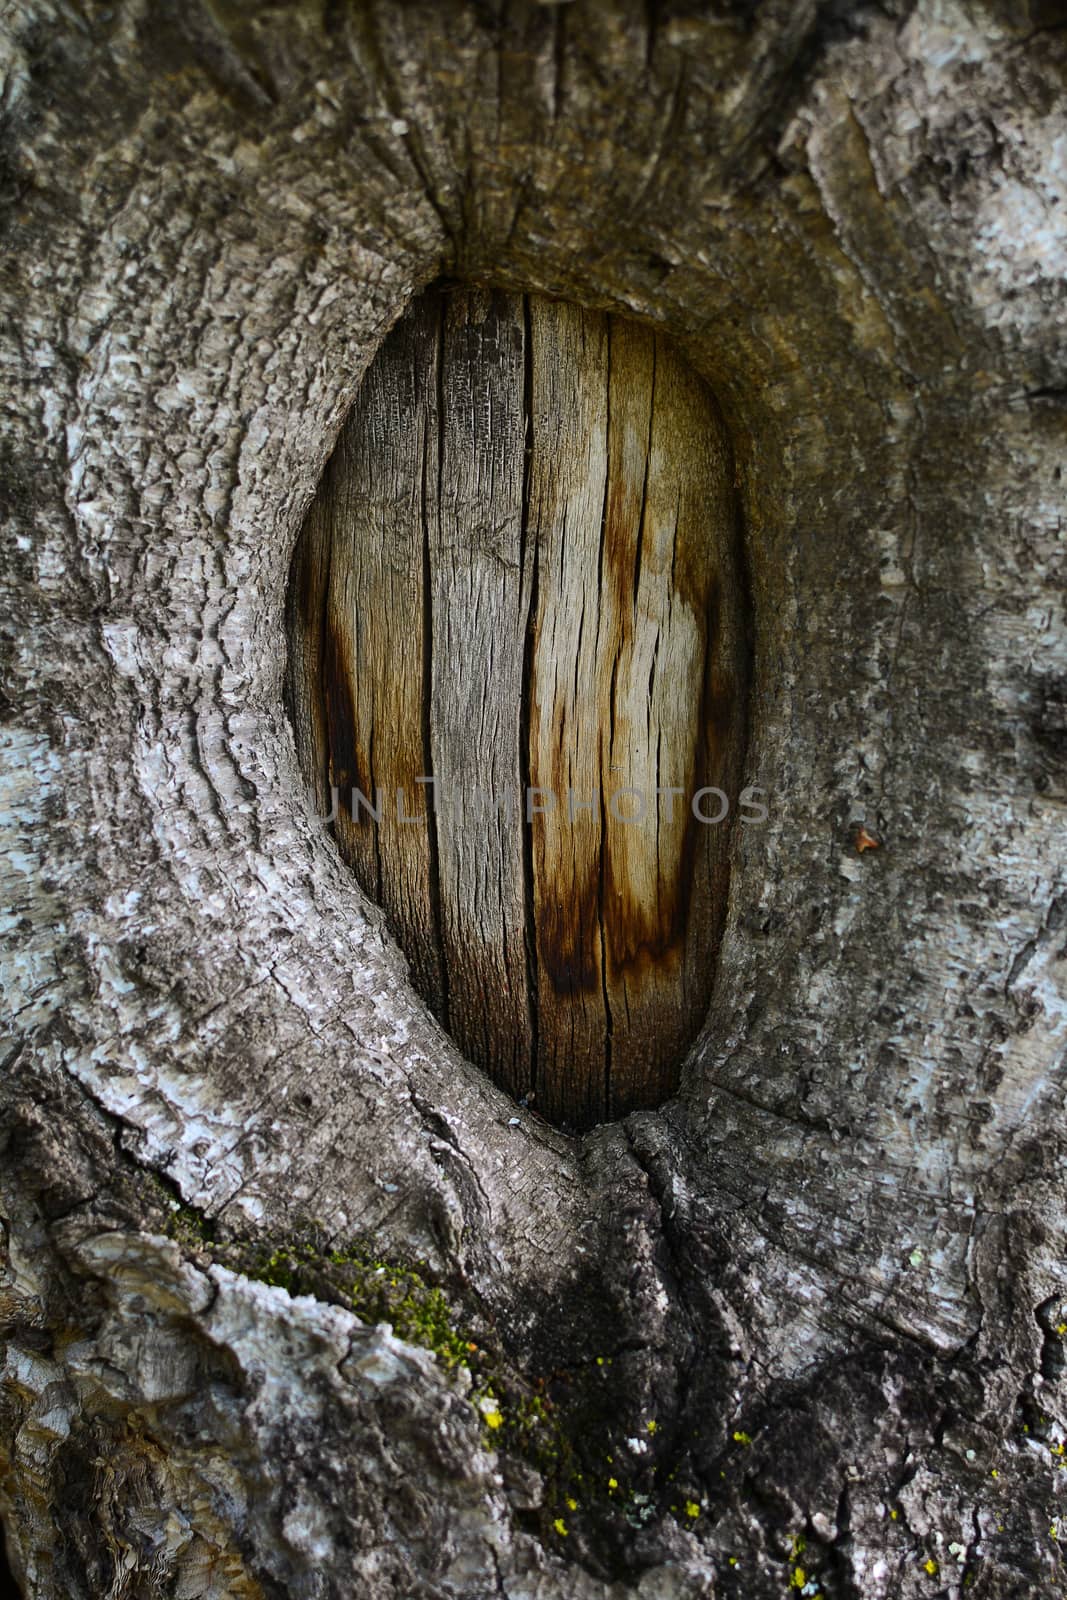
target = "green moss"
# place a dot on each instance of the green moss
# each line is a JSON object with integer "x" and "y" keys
{"x": 374, "y": 1288}
{"x": 517, "y": 1417}
{"x": 380, "y": 1289}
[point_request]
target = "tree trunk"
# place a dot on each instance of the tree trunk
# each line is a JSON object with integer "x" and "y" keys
{"x": 297, "y": 1301}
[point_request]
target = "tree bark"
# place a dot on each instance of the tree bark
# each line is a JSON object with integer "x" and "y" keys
{"x": 296, "y": 1301}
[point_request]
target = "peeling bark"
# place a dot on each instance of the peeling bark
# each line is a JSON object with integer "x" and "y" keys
{"x": 818, "y": 1297}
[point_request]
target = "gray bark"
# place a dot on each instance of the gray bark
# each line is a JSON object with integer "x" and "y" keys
{"x": 819, "y": 1295}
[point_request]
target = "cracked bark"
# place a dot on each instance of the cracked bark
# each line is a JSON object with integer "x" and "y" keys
{"x": 842, "y": 1239}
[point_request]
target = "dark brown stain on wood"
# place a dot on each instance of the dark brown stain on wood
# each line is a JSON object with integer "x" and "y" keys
{"x": 519, "y": 584}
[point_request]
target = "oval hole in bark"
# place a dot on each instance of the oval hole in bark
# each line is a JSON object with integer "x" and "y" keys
{"x": 520, "y": 579}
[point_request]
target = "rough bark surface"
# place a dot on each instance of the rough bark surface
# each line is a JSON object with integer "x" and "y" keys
{"x": 818, "y": 1299}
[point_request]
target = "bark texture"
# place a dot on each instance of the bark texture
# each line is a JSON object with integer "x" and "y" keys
{"x": 805, "y": 1324}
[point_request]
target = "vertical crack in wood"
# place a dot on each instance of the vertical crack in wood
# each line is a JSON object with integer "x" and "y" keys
{"x": 651, "y": 27}
{"x": 603, "y": 855}
{"x": 529, "y": 644}
{"x": 433, "y": 845}
{"x": 642, "y": 513}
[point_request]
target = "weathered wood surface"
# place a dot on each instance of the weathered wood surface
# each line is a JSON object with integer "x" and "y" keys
{"x": 519, "y": 657}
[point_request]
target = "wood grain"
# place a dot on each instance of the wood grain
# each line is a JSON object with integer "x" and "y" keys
{"x": 517, "y": 636}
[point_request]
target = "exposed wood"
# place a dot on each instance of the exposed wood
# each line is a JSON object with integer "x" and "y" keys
{"x": 375, "y": 658}
{"x": 534, "y": 611}
{"x": 479, "y": 576}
